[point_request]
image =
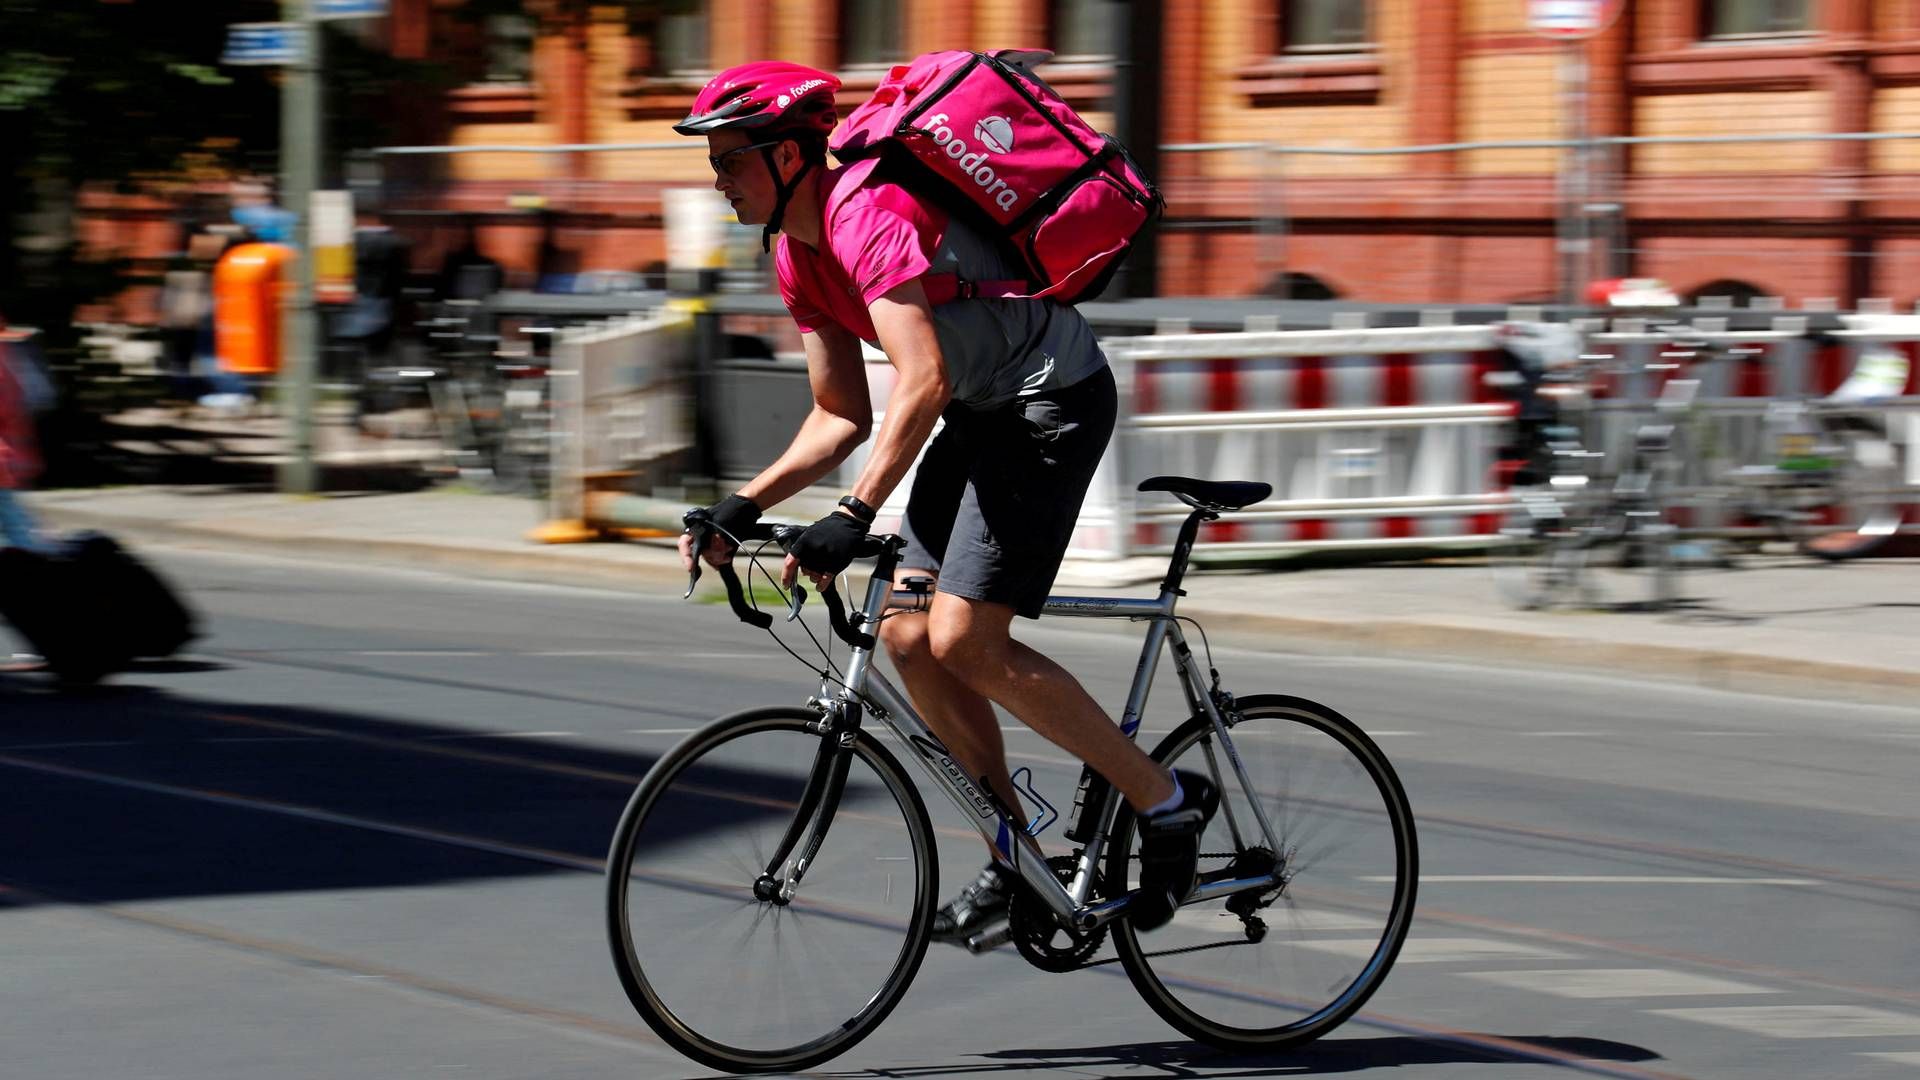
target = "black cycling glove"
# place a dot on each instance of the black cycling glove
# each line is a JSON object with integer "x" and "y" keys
{"x": 735, "y": 514}
{"x": 828, "y": 545}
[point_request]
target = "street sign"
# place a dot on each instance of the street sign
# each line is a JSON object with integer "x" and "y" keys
{"x": 347, "y": 9}
{"x": 1567, "y": 20}
{"x": 264, "y": 43}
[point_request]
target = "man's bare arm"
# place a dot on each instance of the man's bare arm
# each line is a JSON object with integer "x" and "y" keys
{"x": 841, "y": 419}
{"x": 904, "y": 322}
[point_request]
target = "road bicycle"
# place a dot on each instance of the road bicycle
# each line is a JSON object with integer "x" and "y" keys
{"x": 772, "y": 883}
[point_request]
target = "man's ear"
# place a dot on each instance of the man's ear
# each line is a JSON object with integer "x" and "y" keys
{"x": 790, "y": 157}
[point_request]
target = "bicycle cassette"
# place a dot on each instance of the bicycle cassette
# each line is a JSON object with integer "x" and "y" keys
{"x": 1044, "y": 942}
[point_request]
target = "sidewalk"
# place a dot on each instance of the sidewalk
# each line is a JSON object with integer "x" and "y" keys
{"x": 1776, "y": 624}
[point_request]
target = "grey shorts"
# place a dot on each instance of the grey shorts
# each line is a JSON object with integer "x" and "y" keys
{"x": 998, "y": 491}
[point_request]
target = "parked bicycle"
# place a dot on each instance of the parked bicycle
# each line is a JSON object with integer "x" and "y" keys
{"x": 771, "y": 884}
{"x": 1827, "y": 477}
{"x": 1578, "y": 531}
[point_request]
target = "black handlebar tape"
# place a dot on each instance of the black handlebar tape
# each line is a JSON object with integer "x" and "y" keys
{"x": 737, "y": 599}
{"x": 837, "y": 615}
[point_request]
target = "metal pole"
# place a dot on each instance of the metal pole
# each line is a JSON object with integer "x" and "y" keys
{"x": 1136, "y": 113}
{"x": 1576, "y": 180}
{"x": 300, "y": 167}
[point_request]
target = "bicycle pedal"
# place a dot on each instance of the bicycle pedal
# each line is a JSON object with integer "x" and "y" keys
{"x": 989, "y": 940}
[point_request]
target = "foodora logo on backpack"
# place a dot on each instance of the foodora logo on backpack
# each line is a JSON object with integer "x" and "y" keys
{"x": 996, "y": 135}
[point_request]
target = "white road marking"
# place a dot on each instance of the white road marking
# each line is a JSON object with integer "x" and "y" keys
{"x": 1898, "y": 1057}
{"x": 1804, "y": 1021}
{"x": 1280, "y": 921}
{"x": 1616, "y": 982}
{"x": 1564, "y": 734}
{"x": 423, "y": 653}
{"x": 662, "y": 731}
{"x": 1589, "y": 879}
{"x": 1442, "y": 950}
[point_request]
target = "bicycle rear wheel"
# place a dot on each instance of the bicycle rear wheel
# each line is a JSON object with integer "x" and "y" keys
{"x": 1261, "y": 972}
{"x": 744, "y": 979}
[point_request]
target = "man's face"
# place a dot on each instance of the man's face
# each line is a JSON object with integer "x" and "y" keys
{"x": 740, "y": 172}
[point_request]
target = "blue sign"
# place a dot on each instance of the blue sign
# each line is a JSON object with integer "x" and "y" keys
{"x": 264, "y": 43}
{"x": 346, "y": 9}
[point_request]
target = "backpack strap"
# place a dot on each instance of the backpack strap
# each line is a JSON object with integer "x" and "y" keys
{"x": 941, "y": 288}
{"x": 946, "y": 288}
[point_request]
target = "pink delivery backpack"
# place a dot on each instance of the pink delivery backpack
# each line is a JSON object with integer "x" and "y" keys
{"x": 1065, "y": 198}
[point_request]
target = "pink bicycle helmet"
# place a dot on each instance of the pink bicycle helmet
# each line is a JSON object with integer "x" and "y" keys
{"x": 769, "y": 95}
{"x": 773, "y": 98}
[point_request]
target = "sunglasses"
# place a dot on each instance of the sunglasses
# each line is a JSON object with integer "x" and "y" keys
{"x": 730, "y": 163}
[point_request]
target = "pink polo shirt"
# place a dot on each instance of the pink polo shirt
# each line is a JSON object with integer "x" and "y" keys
{"x": 879, "y": 237}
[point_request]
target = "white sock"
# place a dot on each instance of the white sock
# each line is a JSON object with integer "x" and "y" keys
{"x": 1172, "y": 802}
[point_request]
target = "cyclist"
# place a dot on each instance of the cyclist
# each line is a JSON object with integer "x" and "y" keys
{"x": 1029, "y": 404}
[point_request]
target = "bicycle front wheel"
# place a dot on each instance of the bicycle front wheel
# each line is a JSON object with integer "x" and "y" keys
{"x": 746, "y": 977}
{"x": 1257, "y": 972}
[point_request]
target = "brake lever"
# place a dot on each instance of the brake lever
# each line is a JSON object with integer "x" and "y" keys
{"x": 700, "y": 530}
{"x": 799, "y": 598}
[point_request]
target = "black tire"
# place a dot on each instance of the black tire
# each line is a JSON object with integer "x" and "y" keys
{"x": 1264, "y": 1020}
{"x": 864, "y": 824}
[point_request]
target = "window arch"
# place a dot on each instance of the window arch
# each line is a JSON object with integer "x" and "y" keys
{"x": 1740, "y": 293}
{"x": 1294, "y": 285}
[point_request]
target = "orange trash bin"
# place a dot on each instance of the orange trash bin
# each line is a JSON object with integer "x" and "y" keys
{"x": 248, "y": 283}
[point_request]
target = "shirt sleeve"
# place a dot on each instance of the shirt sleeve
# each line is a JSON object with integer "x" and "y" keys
{"x": 806, "y": 314}
{"x": 888, "y": 250}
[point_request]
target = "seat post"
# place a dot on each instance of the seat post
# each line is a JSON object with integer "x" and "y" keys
{"x": 1183, "y": 550}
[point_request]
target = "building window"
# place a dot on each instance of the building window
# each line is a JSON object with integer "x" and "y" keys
{"x": 1324, "y": 26}
{"x": 869, "y": 32}
{"x": 680, "y": 43}
{"x": 1086, "y": 29}
{"x": 509, "y": 49}
{"x": 1735, "y": 18}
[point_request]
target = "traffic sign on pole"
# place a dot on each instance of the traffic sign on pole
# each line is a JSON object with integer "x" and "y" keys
{"x": 1570, "y": 20}
{"x": 348, "y": 9}
{"x": 264, "y": 43}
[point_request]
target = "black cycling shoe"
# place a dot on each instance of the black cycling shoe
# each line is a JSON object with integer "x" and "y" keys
{"x": 1170, "y": 852}
{"x": 979, "y": 906}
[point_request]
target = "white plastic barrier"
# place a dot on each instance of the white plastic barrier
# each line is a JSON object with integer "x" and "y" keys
{"x": 1387, "y": 437}
{"x": 621, "y": 402}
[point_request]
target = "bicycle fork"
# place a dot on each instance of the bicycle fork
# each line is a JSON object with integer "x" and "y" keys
{"x": 818, "y": 803}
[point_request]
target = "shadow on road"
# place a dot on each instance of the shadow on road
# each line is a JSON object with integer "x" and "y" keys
{"x": 128, "y": 794}
{"x": 1332, "y": 1055}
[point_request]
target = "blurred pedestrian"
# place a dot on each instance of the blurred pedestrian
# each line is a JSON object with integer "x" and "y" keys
{"x": 23, "y": 389}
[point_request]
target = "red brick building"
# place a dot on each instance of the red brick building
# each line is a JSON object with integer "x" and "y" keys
{"x": 1799, "y": 219}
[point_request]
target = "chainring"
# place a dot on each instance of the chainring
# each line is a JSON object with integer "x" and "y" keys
{"x": 1045, "y": 943}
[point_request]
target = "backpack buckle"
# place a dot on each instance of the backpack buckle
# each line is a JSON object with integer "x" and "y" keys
{"x": 964, "y": 289}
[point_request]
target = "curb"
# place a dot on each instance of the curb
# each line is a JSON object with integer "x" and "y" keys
{"x": 650, "y": 568}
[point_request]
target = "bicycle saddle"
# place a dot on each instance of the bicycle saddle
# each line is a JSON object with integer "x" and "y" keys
{"x": 1210, "y": 494}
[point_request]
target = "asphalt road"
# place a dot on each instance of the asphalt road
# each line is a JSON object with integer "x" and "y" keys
{"x": 357, "y": 833}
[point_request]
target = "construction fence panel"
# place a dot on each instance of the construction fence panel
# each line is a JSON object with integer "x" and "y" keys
{"x": 622, "y": 406}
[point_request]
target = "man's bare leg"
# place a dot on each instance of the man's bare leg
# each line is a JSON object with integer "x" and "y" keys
{"x": 964, "y": 720}
{"x": 970, "y": 639}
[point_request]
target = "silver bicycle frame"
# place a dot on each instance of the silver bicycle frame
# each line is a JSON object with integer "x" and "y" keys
{"x": 869, "y": 688}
